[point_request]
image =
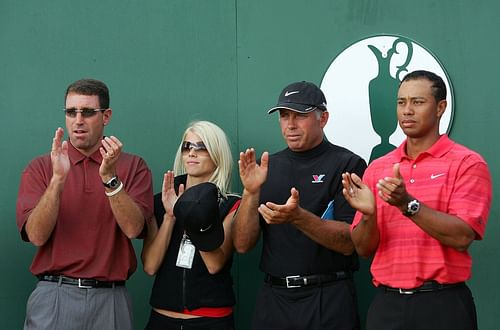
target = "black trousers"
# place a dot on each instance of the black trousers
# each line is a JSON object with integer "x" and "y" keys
{"x": 158, "y": 321}
{"x": 332, "y": 306}
{"x": 451, "y": 308}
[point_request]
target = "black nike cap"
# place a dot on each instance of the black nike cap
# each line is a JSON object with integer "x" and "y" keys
{"x": 301, "y": 97}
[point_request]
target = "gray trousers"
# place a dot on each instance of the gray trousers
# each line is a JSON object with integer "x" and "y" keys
{"x": 57, "y": 306}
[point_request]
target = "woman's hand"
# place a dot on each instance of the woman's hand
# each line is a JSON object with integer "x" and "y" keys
{"x": 168, "y": 195}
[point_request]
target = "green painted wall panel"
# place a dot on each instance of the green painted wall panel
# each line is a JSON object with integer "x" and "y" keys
{"x": 170, "y": 62}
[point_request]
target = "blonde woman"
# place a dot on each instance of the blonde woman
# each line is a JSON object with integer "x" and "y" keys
{"x": 193, "y": 284}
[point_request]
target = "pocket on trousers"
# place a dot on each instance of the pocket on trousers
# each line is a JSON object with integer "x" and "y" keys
{"x": 41, "y": 308}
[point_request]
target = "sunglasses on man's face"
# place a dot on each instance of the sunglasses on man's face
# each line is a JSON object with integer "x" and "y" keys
{"x": 196, "y": 146}
{"x": 86, "y": 112}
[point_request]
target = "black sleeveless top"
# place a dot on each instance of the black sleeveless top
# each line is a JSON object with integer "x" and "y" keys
{"x": 177, "y": 288}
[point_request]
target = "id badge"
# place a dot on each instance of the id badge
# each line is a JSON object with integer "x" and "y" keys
{"x": 186, "y": 253}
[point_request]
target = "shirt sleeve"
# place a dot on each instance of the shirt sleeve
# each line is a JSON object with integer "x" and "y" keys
{"x": 139, "y": 186}
{"x": 472, "y": 194}
{"x": 35, "y": 179}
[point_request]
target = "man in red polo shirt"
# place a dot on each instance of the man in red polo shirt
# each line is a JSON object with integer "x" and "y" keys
{"x": 419, "y": 209}
{"x": 80, "y": 205}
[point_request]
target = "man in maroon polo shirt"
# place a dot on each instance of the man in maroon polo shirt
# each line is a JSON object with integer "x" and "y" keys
{"x": 80, "y": 205}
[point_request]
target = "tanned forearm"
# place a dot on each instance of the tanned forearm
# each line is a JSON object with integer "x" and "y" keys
{"x": 332, "y": 234}
{"x": 246, "y": 226}
{"x": 449, "y": 230}
{"x": 365, "y": 236}
{"x": 128, "y": 214}
{"x": 43, "y": 218}
{"x": 156, "y": 244}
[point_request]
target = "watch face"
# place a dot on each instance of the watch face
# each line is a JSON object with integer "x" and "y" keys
{"x": 413, "y": 207}
{"x": 113, "y": 183}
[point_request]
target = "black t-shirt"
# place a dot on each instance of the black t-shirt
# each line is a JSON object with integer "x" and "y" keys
{"x": 317, "y": 175}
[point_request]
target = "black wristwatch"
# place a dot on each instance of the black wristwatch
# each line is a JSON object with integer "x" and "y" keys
{"x": 113, "y": 183}
{"x": 412, "y": 208}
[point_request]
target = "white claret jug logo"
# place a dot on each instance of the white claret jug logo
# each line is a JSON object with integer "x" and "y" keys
{"x": 361, "y": 88}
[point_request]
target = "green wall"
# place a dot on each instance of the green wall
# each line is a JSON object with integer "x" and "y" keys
{"x": 170, "y": 62}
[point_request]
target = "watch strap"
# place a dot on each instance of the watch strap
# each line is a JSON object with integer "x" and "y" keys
{"x": 116, "y": 191}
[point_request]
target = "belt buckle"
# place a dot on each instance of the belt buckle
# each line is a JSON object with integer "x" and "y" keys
{"x": 288, "y": 285}
{"x": 403, "y": 291}
{"x": 81, "y": 286}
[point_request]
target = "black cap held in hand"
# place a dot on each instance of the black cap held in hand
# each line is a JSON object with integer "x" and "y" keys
{"x": 198, "y": 210}
{"x": 301, "y": 97}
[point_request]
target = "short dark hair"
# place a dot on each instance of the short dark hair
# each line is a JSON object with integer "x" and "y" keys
{"x": 438, "y": 86}
{"x": 90, "y": 87}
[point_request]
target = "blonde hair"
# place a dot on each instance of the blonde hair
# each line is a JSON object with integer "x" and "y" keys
{"x": 218, "y": 148}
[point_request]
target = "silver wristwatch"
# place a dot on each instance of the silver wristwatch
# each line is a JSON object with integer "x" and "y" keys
{"x": 412, "y": 208}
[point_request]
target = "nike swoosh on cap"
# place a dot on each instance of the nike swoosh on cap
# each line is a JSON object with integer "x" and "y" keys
{"x": 291, "y": 93}
{"x": 205, "y": 229}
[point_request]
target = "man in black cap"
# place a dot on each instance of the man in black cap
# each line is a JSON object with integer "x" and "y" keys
{"x": 308, "y": 256}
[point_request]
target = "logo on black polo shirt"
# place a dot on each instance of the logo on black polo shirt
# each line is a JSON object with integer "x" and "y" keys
{"x": 318, "y": 178}
{"x": 361, "y": 88}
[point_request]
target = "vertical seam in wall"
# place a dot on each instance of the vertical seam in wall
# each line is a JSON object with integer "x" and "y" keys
{"x": 237, "y": 74}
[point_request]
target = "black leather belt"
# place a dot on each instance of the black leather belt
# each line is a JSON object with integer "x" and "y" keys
{"x": 429, "y": 286}
{"x": 84, "y": 283}
{"x": 298, "y": 281}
